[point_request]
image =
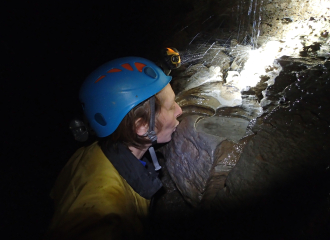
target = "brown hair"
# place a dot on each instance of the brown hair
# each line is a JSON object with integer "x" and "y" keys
{"x": 126, "y": 131}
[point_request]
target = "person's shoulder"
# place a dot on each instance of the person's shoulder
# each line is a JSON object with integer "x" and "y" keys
{"x": 92, "y": 152}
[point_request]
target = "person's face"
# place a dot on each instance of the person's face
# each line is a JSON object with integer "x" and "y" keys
{"x": 169, "y": 112}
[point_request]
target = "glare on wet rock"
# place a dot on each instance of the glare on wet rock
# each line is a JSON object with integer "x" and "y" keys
{"x": 240, "y": 53}
{"x": 204, "y": 75}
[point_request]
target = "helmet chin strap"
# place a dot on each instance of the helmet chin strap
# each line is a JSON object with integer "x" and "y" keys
{"x": 152, "y": 134}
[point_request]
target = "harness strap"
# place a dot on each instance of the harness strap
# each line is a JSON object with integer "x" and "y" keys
{"x": 152, "y": 134}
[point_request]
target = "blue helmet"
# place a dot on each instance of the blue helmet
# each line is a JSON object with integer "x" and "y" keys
{"x": 116, "y": 87}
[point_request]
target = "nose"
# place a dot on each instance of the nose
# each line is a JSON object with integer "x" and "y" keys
{"x": 178, "y": 110}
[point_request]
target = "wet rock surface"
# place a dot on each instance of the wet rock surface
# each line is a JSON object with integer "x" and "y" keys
{"x": 273, "y": 183}
{"x": 283, "y": 159}
{"x": 298, "y": 23}
{"x": 232, "y": 128}
{"x": 189, "y": 159}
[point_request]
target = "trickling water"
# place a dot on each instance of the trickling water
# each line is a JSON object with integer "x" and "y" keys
{"x": 250, "y": 13}
{"x": 248, "y": 17}
{"x": 194, "y": 38}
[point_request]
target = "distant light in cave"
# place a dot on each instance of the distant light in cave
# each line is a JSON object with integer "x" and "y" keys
{"x": 296, "y": 29}
{"x": 259, "y": 59}
{"x": 304, "y": 29}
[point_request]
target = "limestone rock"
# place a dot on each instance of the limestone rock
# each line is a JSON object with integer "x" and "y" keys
{"x": 232, "y": 77}
{"x": 194, "y": 101}
{"x": 211, "y": 74}
{"x": 195, "y": 148}
{"x": 230, "y": 128}
{"x": 216, "y": 57}
{"x": 290, "y": 142}
{"x": 240, "y": 54}
{"x": 189, "y": 158}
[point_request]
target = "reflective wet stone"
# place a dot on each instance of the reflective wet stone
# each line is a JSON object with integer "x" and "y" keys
{"x": 231, "y": 128}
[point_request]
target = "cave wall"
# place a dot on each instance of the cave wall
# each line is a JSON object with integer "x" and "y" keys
{"x": 284, "y": 152}
{"x": 293, "y": 22}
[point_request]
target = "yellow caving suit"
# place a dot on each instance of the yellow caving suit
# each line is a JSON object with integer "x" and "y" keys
{"x": 94, "y": 196}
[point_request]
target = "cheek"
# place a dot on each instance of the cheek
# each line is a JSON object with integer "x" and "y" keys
{"x": 167, "y": 120}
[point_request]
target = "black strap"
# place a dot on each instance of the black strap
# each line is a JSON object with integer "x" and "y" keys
{"x": 151, "y": 133}
{"x": 144, "y": 180}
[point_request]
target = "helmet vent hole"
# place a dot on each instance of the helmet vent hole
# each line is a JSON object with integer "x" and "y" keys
{"x": 150, "y": 72}
{"x": 100, "y": 119}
